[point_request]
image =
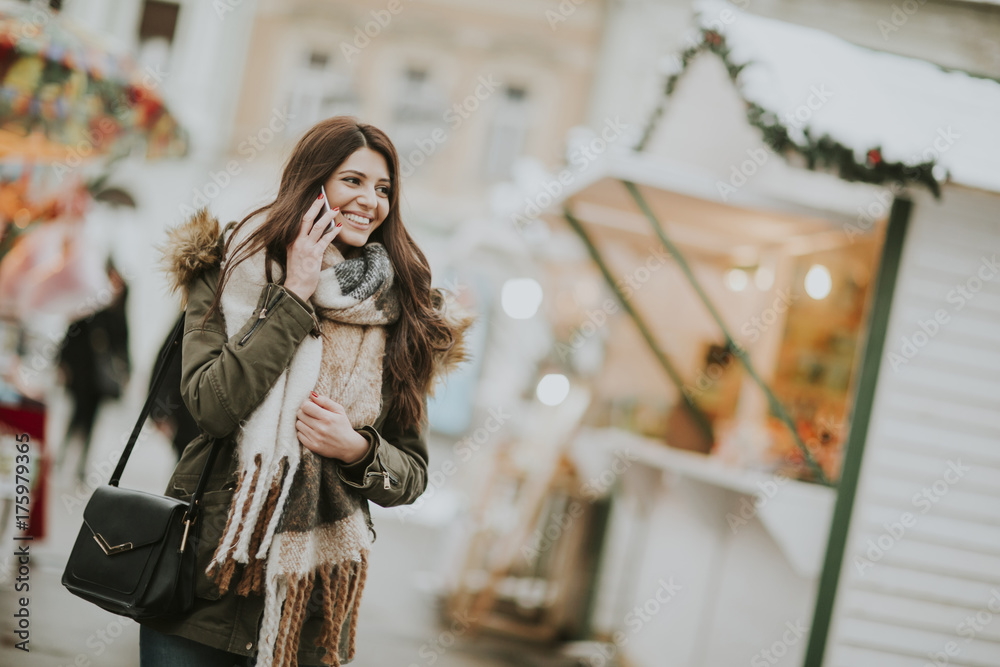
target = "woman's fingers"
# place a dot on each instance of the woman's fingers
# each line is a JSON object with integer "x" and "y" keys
{"x": 332, "y": 231}
{"x": 311, "y": 410}
{"x": 319, "y": 227}
{"x": 307, "y": 430}
{"x": 309, "y": 217}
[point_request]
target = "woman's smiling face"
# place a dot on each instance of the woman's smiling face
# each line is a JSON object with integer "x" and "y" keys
{"x": 360, "y": 187}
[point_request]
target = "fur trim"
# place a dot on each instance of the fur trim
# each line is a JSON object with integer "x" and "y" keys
{"x": 191, "y": 248}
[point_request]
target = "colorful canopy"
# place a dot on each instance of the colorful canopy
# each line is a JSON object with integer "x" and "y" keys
{"x": 77, "y": 90}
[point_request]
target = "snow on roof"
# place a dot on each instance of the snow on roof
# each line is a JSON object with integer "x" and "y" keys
{"x": 863, "y": 99}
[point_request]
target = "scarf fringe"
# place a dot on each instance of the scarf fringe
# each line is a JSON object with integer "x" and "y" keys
{"x": 223, "y": 565}
{"x": 289, "y": 466}
{"x": 253, "y": 573}
{"x": 340, "y": 588}
{"x": 269, "y": 474}
{"x": 224, "y": 561}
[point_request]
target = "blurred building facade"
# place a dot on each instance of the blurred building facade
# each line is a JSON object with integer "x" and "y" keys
{"x": 463, "y": 89}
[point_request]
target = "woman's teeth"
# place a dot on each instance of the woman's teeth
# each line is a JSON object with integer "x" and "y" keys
{"x": 357, "y": 219}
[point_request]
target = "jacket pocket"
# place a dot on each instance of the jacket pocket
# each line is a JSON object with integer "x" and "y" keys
{"x": 211, "y": 524}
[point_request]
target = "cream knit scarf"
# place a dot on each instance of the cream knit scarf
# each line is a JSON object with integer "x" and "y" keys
{"x": 293, "y": 524}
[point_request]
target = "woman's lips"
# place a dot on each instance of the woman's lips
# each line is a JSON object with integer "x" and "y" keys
{"x": 359, "y": 221}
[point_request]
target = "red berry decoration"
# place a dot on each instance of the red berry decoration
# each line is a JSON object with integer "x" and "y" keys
{"x": 713, "y": 38}
{"x": 874, "y": 157}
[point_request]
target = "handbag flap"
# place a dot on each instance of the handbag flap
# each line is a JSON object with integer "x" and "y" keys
{"x": 126, "y": 519}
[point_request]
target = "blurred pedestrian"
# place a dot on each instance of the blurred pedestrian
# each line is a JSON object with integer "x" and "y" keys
{"x": 169, "y": 413}
{"x": 95, "y": 362}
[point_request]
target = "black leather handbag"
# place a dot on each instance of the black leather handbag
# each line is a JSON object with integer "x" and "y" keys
{"x": 135, "y": 555}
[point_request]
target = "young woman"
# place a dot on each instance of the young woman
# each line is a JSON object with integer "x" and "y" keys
{"x": 312, "y": 339}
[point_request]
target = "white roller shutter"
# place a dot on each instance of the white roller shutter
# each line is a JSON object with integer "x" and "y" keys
{"x": 920, "y": 582}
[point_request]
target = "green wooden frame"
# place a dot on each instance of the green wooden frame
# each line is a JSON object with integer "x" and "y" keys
{"x": 864, "y": 396}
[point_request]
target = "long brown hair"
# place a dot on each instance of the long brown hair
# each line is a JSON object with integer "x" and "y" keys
{"x": 421, "y": 330}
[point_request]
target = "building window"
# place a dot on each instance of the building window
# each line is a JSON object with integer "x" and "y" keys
{"x": 507, "y": 133}
{"x": 159, "y": 20}
{"x": 419, "y": 108}
{"x": 319, "y": 89}
{"x": 156, "y": 34}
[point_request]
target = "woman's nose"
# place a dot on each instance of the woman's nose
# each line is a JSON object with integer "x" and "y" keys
{"x": 367, "y": 199}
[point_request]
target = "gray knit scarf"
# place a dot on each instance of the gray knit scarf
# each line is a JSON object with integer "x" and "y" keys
{"x": 293, "y": 524}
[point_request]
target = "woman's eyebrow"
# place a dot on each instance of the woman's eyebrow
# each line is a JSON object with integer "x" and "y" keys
{"x": 363, "y": 175}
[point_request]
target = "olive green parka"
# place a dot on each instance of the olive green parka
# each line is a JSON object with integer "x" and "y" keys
{"x": 222, "y": 381}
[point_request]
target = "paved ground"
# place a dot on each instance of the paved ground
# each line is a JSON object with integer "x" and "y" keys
{"x": 398, "y": 626}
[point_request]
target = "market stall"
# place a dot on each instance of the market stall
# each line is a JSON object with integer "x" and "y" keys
{"x": 783, "y": 305}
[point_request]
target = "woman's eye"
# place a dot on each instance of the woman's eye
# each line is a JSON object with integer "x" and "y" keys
{"x": 384, "y": 190}
{"x": 351, "y": 179}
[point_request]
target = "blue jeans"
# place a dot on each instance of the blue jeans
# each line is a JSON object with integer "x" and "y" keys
{"x": 159, "y": 650}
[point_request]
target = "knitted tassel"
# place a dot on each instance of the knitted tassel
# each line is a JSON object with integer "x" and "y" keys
{"x": 253, "y": 574}
{"x": 223, "y": 574}
{"x": 292, "y": 616}
{"x": 362, "y": 576}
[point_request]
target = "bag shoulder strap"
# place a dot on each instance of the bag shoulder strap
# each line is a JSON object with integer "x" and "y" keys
{"x": 166, "y": 356}
{"x": 162, "y": 364}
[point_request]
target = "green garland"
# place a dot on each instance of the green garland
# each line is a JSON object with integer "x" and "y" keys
{"x": 820, "y": 153}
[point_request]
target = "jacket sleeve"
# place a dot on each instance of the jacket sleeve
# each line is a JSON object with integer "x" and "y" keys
{"x": 394, "y": 471}
{"x": 224, "y": 379}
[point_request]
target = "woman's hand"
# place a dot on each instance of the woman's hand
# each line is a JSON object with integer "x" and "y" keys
{"x": 323, "y": 428}
{"x": 305, "y": 253}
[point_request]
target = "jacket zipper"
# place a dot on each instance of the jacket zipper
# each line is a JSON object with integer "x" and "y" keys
{"x": 263, "y": 313}
{"x": 387, "y": 478}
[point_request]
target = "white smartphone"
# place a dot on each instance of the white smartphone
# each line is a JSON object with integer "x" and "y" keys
{"x": 326, "y": 207}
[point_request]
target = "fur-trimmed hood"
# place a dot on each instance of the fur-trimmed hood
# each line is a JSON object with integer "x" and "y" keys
{"x": 196, "y": 246}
